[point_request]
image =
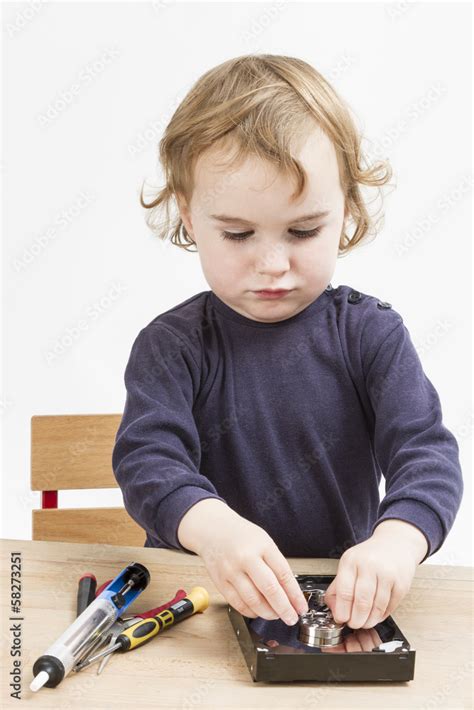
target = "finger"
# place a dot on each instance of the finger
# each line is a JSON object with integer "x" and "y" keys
{"x": 380, "y": 604}
{"x": 284, "y": 574}
{"x": 251, "y": 596}
{"x": 330, "y": 596}
{"x": 344, "y": 583}
{"x": 397, "y": 594}
{"x": 233, "y": 598}
{"x": 331, "y": 587}
{"x": 266, "y": 582}
{"x": 364, "y": 593}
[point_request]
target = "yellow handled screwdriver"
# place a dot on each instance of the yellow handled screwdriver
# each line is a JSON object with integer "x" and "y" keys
{"x": 145, "y": 629}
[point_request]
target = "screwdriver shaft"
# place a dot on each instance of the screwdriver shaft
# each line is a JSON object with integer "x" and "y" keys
{"x": 92, "y": 659}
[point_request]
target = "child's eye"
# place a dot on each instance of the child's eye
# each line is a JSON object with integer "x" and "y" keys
{"x": 242, "y": 236}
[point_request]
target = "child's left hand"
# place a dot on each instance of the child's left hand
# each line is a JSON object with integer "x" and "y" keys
{"x": 374, "y": 576}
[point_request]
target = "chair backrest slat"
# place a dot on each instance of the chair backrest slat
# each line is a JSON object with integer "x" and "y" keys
{"x": 107, "y": 526}
{"x": 73, "y": 451}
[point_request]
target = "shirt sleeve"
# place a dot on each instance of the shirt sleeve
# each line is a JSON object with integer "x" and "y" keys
{"x": 417, "y": 454}
{"x": 157, "y": 453}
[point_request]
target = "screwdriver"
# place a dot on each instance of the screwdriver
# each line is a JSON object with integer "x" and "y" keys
{"x": 85, "y": 591}
{"x": 145, "y": 629}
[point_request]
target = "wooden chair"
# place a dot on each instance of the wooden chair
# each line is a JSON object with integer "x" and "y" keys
{"x": 70, "y": 452}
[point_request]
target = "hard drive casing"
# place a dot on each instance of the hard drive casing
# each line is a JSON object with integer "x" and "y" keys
{"x": 288, "y": 659}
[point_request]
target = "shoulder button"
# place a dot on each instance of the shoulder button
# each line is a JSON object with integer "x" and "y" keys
{"x": 383, "y": 304}
{"x": 354, "y": 296}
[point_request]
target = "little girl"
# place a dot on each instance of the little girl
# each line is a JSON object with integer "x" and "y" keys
{"x": 261, "y": 414}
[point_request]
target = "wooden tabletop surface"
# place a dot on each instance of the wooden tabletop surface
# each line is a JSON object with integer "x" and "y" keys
{"x": 198, "y": 663}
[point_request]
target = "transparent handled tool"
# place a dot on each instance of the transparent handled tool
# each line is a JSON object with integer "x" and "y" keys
{"x": 83, "y": 634}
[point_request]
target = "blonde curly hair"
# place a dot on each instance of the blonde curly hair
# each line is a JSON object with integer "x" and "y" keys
{"x": 258, "y": 104}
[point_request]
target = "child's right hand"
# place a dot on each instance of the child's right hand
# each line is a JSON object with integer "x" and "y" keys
{"x": 243, "y": 562}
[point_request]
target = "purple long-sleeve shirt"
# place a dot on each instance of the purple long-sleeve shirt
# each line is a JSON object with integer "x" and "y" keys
{"x": 290, "y": 423}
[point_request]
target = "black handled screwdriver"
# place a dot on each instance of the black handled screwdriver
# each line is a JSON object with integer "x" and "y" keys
{"x": 86, "y": 591}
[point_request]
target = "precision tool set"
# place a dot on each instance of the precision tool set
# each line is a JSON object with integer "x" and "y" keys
{"x": 101, "y": 621}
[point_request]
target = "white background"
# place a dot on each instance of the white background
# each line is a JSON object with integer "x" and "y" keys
{"x": 75, "y": 241}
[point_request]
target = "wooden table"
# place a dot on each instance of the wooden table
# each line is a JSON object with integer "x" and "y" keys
{"x": 198, "y": 663}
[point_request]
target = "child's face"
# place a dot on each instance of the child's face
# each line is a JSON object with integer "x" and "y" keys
{"x": 270, "y": 256}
